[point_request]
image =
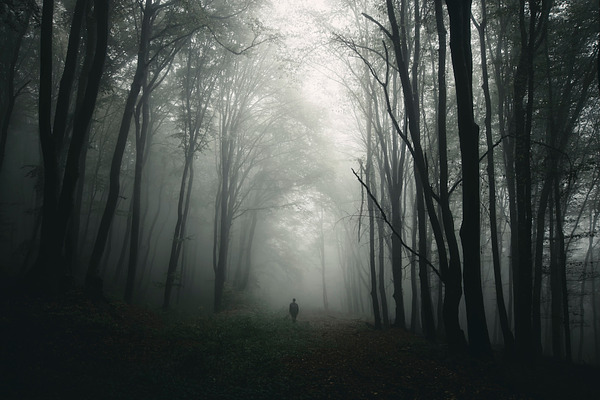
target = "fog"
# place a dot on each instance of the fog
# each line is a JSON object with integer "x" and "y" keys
{"x": 267, "y": 156}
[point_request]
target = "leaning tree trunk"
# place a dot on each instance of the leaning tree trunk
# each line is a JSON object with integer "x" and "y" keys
{"x": 179, "y": 233}
{"x": 93, "y": 280}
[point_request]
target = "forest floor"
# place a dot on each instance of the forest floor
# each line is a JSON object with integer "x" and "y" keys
{"x": 72, "y": 348}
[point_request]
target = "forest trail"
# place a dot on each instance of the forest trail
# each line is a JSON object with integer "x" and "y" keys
{"x": 73, "y": 348}
{"x": 354, "y": 361}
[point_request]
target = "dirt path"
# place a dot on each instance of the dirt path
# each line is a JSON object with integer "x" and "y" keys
{"x": 350, "y": 360}
{"x": 75, "y": 349}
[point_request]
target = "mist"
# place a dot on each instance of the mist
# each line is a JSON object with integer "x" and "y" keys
{"x": 397, "y": 166}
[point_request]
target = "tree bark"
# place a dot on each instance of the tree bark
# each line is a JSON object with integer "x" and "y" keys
{"x": 381, "y": 263}
{"x": 58, "y": 199}
{"x": 371, "y": 213}
{"x": 183, "y": 203}
{"x": 522, "y": 109}
{"x": 93, "y": 280}
{"x": 562, "y": 269}
{"x": 140, "y": 147}
{"x": 455, "y": 336}
{"x": 460, "y": 45}
{"x": 504, "y": 324}
{"x": 11, "y": 95}
{"x": 322, "y": 257}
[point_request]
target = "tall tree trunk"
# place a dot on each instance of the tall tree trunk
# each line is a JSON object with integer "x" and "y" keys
{"x": 522, "y": 109}
{"x": 453, "y": 291}
{"x": 507, "y": 152}
{"x": 246, "y": 263}
{"x": 397, "y": 186}
{"x": 11, "y": 94}
{"x": 93, "y": 281}
{"x": 426, "y": 306}
{"x": 140, "y": 148}
{"x": 460, "y": 45}
{"x": 72, "y": 245}
{"x": 555, "y": 290}
{"x": 540, "y": 233}
{"x": 146, "y": 269}
{"x": 58, "y": 201}
{"x": 595, "y": 319}
{"x": 185, "y": 190}
{"x": 415, "y": 315}
{"x": 452, "y": 277}
{"x": 43, "y": 269}
{"x": 381, "y": 262}
{"x": 593, "y": 221}
{"x": 222, "y": 224}
{"x": 562, "y": 268}
{"x": 322, "y": 257}
{"x": 371, "y": 213}
{"x": 504, "y": 324}
{"x": 125, "y": 246}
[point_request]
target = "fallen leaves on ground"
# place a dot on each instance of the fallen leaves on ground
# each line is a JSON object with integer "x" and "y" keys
{"x": 74, "y": 348}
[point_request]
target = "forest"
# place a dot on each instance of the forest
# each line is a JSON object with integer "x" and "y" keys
{"x": 422, "y": 171}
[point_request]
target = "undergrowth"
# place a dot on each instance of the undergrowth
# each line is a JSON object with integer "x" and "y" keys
{"x": 74, "y": 348}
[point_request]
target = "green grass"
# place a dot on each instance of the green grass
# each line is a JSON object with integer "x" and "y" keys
{"x": 72, "y": 348}
{"x": 77, "y": 350}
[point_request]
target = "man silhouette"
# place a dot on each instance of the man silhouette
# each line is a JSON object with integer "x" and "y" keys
{"x": 294, "y": 310}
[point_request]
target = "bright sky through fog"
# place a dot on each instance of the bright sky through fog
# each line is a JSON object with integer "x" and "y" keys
{"x": 307, "y": 27}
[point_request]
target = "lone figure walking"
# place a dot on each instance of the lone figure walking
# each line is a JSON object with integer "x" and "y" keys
{"x": 294, "y": 310}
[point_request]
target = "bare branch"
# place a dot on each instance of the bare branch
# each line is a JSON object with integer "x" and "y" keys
{"x": 383, "y": 28}
{"x": 385, "y": 219}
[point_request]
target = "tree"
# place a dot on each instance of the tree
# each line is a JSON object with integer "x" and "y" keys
{"x": 460, "y": 45}
{"x": 241, "y": 126}
{"x": 15, "y": 23}
{"x": 159, "y": 49}
{"x": 49, "y": 269}
{"x": 506, "y": 332}
{"x": 450, "y": 272}
{"x": 197, "y": 81}
{"x": 523, "y": 109}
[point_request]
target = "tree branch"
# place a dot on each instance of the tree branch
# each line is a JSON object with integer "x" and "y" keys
{"x": 385, "y": 219}
{"x": 383, "y": 28}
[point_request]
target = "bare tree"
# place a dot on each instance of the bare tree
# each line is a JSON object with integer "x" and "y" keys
{"x": 198, "y": 83}
{"x": 460, "y": 45}
{"x": 49, "y": 270}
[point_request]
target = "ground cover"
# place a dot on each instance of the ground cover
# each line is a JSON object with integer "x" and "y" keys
{"x": 73, "y": 348}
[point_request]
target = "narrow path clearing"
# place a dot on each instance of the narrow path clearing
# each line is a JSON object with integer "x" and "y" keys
{"x": 353, "y": 361}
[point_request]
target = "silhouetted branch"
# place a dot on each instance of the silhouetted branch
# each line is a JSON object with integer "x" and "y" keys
{"x": 385, "y": 219}
{"x": 383, "y": 28}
